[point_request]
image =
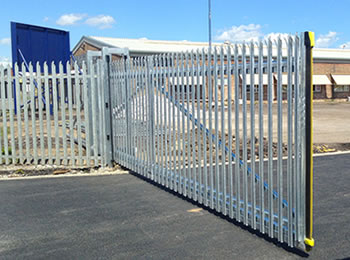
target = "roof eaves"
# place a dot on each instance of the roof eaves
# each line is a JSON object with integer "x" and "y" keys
{"x": 337, "y": 60}
{"x": 92, "y": 41}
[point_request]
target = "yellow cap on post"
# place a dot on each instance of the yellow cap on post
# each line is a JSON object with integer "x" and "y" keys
{"x": 312, "y": 39}
{"x": 309, "y": 242}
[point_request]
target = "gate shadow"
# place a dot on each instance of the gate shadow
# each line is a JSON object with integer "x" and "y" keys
{"x": 284, "y": 246}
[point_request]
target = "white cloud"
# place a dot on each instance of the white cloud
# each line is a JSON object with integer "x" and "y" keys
{"x": 254, "y": 32}
{"x": 101, "y": 21}
{"x": 241, "y": 33}
{"x": 345, "y": 45}
{"x": 5, "y": 41}
{"x": 275, "y": 36}
{"x": 70, "y": 19}
{"x": 326, "y": 40}
{"x": 248, "y": 33}
{"x": 46, "y": 19}
{"x": 5, "y": 61}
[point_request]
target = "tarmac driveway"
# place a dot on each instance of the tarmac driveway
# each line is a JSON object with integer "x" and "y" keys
{"x": 124, "y": 217}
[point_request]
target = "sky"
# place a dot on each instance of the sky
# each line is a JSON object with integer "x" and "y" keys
{"x": 182, "y": 19}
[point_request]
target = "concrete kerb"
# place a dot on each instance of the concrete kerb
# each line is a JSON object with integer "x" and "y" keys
{"x": 39, "y": 172}
{"x": 331, "y": 153}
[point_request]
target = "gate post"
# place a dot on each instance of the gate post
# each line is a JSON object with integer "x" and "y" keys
{"x": 309, "y": 44}
{"x": 107, "y": 107}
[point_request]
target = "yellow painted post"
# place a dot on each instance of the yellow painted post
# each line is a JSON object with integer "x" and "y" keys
{"x": 309, "y": 44}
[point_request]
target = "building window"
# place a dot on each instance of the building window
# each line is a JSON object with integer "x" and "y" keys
{"x": 317, "y": 88}
{"x": 256, "y": 88}
{"x": 342, "y": 88}
{"x": 180, "y": 92}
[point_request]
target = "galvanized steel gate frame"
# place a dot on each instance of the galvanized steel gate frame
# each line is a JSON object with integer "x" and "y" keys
{"x": 163, "y": 132}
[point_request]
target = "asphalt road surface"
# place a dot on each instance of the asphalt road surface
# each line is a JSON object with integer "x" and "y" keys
{"x": 124, "y": 217}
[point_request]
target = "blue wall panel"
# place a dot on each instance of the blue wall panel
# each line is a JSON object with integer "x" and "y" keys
{"x": 39, "y": 44}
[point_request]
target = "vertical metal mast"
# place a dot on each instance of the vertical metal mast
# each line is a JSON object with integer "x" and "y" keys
{"x": 209, "y": 21}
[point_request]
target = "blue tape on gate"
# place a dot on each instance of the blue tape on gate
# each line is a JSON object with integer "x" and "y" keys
{"x": 241, "y": 163}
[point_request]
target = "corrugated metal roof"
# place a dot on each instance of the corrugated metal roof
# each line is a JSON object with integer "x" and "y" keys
{"x": 146, "y": 46}
{"x": 256, "y": 79}
{"x": 320, "y": 80}
{"x": 152, "y": 46}
{"x": 331, "y": 54}
{"x": 341, "y": 79}
{"x": 316, "y": 79}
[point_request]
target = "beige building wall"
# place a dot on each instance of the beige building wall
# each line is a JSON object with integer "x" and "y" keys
{"x": 331, "y": 69}
{"x": 83, "y": 48}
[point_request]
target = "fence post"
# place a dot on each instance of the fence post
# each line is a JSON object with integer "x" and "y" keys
{"x": 90, "y": 121}
{"x": 150, "y": 67}
{"x": 107, "y": 107}
{"x": 309, "y": 44}
{"x": 127, "y": 111}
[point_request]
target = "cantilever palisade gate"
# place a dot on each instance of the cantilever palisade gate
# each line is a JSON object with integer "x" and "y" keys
{"x": 228, "y": 127}
{"x": 198, "y": 124}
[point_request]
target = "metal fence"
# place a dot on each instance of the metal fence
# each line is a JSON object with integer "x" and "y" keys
{"x": 229, "y": 128}
{"x": 193, "y": 123}
{"x": 51, "y": 118}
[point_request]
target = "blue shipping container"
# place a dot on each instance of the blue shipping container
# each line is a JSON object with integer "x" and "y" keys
{"x": 39, "y": 44}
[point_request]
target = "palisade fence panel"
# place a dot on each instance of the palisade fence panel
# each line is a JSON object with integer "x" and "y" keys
{"x": 205, "y": 124}
{"x": 47, "y": 118}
